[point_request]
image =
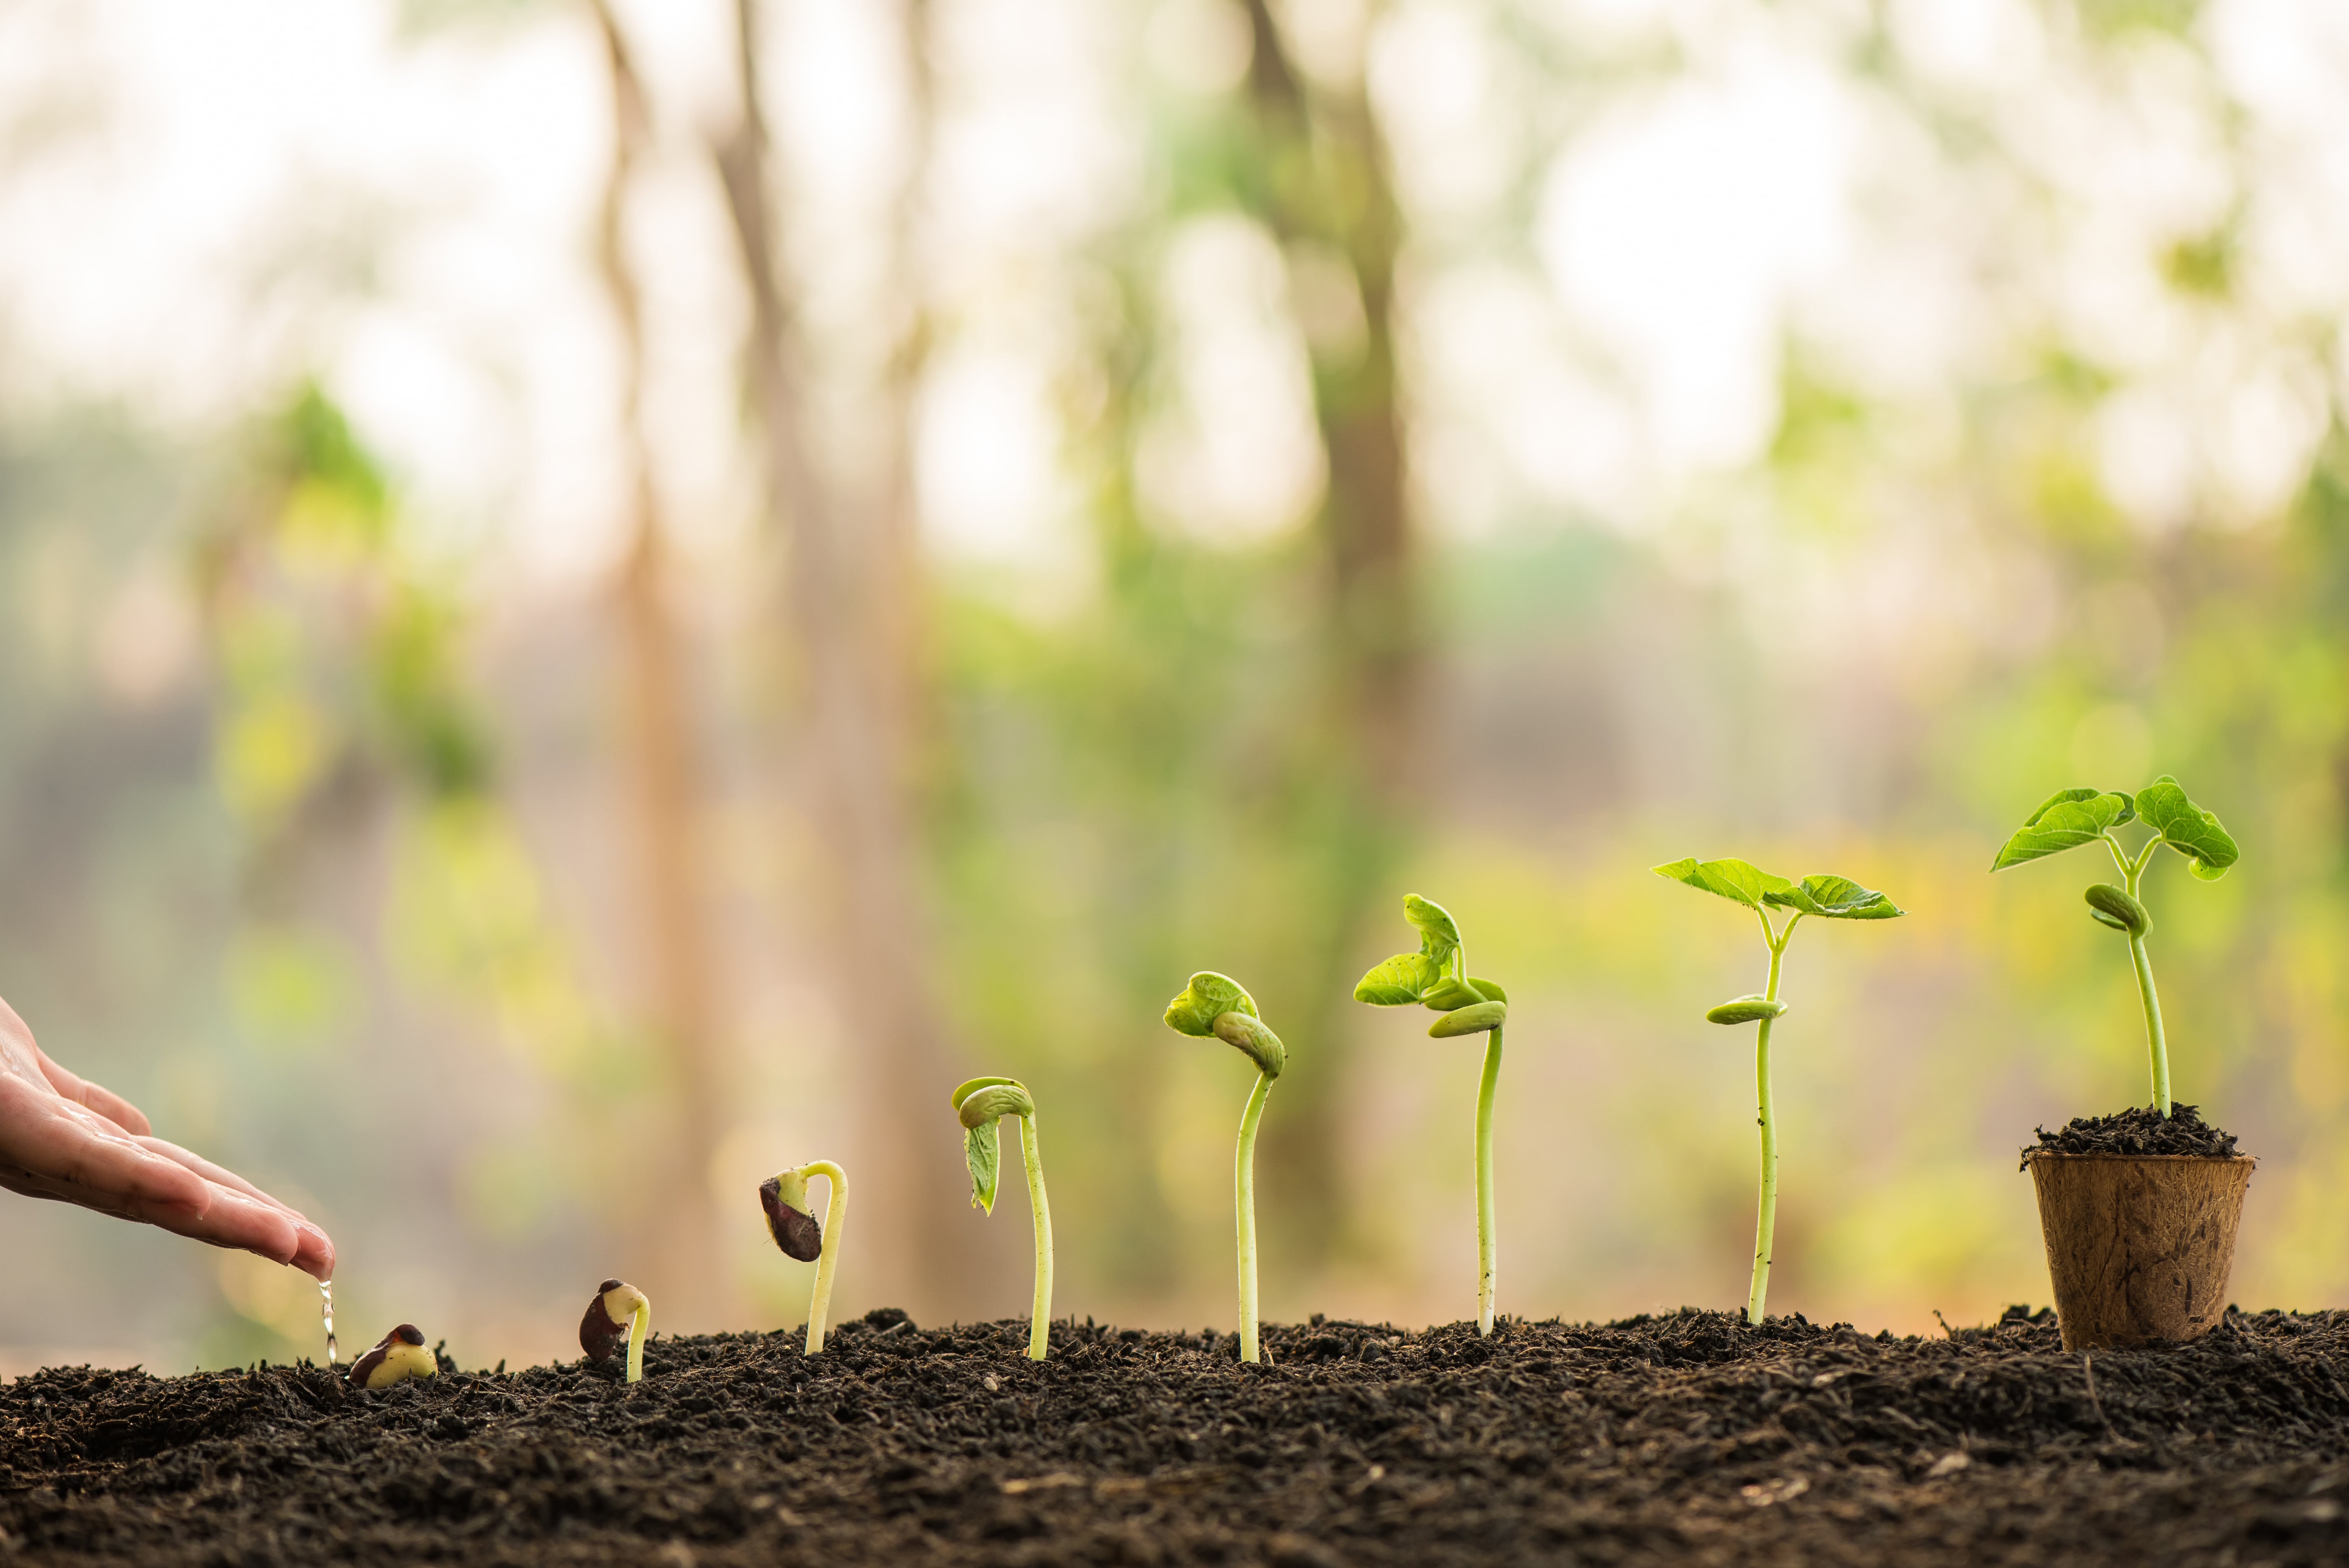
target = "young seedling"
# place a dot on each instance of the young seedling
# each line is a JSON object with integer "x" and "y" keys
{"x": 398, "y": 1357}
{"x": 619, "y": 1311}
{"x": 979, "y": 1105}
{"x": 1214, "y": 1006}
{"x": 1437, "y": 977}
{"x": 2072, "y": 818}
{"x": 1827, "y": 897}
{"x": 791, "y": 1222}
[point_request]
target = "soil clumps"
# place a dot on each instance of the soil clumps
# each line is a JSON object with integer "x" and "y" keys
{"x": 2139, "y": 1131}
{"x": 1683, "y": 1438}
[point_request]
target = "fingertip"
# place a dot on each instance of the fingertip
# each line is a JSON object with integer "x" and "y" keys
{"x": 313, "y": 1251}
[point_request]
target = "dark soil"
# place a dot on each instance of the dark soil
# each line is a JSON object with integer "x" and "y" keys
{"x": 2138, "y": 1131}
{"x": 1689, "y": 1439}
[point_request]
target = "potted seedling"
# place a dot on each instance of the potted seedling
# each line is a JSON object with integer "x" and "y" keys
{"x": 1437, "y": 977}
{"x": 1213, "y": 1006}
{"x": 1823, "y": 897}
{"x": 2138, "y": 1209}
{"x": 979, "y": 1105}
{"x": 618, "y": 1313}
{"x": 791, "y": 1222}
{"x": 397, "y": 1356}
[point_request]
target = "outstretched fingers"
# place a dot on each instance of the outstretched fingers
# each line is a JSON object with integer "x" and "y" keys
{"x": 314, "y": 1251}
{"x": 52, "y": 1147}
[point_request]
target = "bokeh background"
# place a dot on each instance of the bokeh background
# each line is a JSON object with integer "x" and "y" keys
{"x": 596, "y": 600}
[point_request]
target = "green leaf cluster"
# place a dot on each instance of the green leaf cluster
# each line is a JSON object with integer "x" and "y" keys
{"x": 1217, "y": 1006}
{"x": 1740, "y": 881}
{"x": 1436, "y": 976}
{"x": 2071, "y": 818}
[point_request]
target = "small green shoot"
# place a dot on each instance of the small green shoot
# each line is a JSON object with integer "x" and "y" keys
{"x": 1214, "y": 1006}
{"x": 790, "y": 1219}
{"x": 1824, "y": 897}
{"x": 1437, "y": 977}
{"x": 2071, "y": 818}
{"x": 618, "y": 1310}
{"x": 979, "y": 1105}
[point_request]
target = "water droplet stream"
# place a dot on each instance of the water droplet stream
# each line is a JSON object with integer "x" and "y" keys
{"x": 327, "y": 1311}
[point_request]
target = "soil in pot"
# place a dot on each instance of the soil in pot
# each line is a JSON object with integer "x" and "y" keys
{"x": 2139, "y": 1214}
{"x": 1689, "y": 1438}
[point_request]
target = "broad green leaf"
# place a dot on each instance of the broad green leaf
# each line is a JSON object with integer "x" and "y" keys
{"x": 1470, "y": 1020}
{"x": 1745, "y": 1010}
{"x": 1834, "y": 898}
{"x": 1209, "y": 997}
{"x": 2112, "y": 906}
{"x": 2065, "y": 821}
{"x": 1249, "y": 1035}
{"x": 2186, "y": 827}
{"x": 982, "y": 1151}
{"x": 1398, "y": 983}
{"x": 1439, "y": 934}
{"x": 1730, "y": 879}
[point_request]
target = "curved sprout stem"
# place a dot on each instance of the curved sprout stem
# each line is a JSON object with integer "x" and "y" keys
{"x": 640, "y": 1323}
{"x": 827, "y": 1262}
{"x": 1765, "y": 1222}
{"x": 1039, "y": 1310}
{"x": 1245, "y": 1200}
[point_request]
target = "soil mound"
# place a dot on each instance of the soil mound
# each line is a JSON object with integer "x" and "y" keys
{"x": 2138, "y": 1131}
{"x": 1683, "y": 1438}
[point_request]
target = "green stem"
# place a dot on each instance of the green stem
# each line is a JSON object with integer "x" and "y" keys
{"x": 1765, "y": 1222}
{"x": 1039, "y": 1310}
{"x": 1487, "y": 1226}
{"x": 2156, "y": 1043}
{"x": 1245, "y": 1185}
{"x": 827, "y": 1262}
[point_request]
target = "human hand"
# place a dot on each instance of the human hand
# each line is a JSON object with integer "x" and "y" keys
{"x": 65, "y": 1138}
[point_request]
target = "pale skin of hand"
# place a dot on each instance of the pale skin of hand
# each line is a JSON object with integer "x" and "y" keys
{"x": 66, "y": 1139}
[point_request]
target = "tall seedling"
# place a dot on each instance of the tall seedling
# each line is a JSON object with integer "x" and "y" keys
{"x": 979, "y": 1103}
{"x": 2071, "y": 818}
{"x": 1827, "y": 897}
{"x": 1437, "y": 977}
{"x": 1214, "y": 1006}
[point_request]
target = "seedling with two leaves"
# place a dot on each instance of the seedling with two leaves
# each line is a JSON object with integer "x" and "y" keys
{"x": 2072, "y": 818}
{"x": 1823, "y": 897}
{"x": 1437, "y": 977}
{"x": 1216, "y": 1006}
{"x": 981, "y": 1105}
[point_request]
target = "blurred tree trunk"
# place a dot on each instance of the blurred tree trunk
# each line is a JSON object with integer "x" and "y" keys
{"x": 1325, "y": 183}
{"x": 680, "y": 1231}
{"x": 853, "y": 609}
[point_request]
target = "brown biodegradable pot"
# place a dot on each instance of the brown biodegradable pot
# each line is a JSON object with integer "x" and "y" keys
{"x": 2138, "y": 1245}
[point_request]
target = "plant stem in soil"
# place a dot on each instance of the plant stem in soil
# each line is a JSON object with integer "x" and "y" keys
{"x": 1487, "y": 1237}
{"x": 1245, "y": 1195}
{"x": 1039, "y": 1310}
{"x": 1766, "y": 1224}
{"x": 827, "y": 1262}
